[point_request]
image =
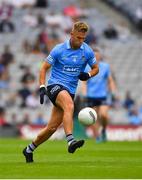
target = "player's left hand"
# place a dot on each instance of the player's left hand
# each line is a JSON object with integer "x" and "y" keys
{"x": 83, "y": 76}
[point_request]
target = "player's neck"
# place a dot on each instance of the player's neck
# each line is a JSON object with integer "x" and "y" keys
{"x": 72, "y": 45}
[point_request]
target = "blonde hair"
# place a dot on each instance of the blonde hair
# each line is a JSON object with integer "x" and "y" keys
{"x": 80, "y": 27}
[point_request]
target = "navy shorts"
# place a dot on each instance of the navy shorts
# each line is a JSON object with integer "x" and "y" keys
{"x": 53, "y": 91}
{"x": 97, "y": 101}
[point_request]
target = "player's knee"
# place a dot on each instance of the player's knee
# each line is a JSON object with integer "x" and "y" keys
{"x": 69, "y": 107}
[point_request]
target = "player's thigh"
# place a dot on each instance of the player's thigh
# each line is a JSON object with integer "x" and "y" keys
{"x": 56, "y": 117}
{"x": 65, "y": 101}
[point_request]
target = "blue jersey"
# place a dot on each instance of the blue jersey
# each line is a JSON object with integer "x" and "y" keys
{"x": 67, "y": 64}
{"x": 97, "y": 86}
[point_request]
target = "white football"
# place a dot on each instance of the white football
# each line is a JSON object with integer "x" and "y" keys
{"x": 87, "y": 116}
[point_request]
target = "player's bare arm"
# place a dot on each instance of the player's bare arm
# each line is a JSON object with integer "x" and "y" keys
{"x": 42, "y": 79}
{"x": 42, "y": 76}
{"x": 94, "y": 70}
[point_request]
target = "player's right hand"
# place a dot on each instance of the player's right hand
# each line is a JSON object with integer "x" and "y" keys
{"x": 42, "y": 92}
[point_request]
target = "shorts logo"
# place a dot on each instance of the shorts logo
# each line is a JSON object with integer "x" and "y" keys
{"x": 54, "y": 89}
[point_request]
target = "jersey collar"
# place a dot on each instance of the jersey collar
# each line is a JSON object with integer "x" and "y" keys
{"x": 69, "y": 46}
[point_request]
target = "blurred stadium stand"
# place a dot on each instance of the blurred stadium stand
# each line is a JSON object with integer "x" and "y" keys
{"x": 32, "y": 39}
{"x": 133, "y": 10}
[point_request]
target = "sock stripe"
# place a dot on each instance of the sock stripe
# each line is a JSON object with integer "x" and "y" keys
{"x": 68, "y": 135}
{"x": 30, "y": 148}
{"x": 34, "y": 144}
{"x": 70, "y": 138}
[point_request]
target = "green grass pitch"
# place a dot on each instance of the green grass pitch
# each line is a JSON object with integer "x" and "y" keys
{"x": 106, "y": 160}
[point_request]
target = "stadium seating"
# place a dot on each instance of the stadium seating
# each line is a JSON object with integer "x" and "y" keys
{"x": 129, "y": 9}
{"x": 124, "y": 57}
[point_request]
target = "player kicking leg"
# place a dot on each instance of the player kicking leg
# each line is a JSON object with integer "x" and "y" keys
{"x": 62, "y": 112}
{"x": 54, "y": 123}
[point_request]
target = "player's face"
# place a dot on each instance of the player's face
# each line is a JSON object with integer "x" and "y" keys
{"x": 77, "y": 38}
